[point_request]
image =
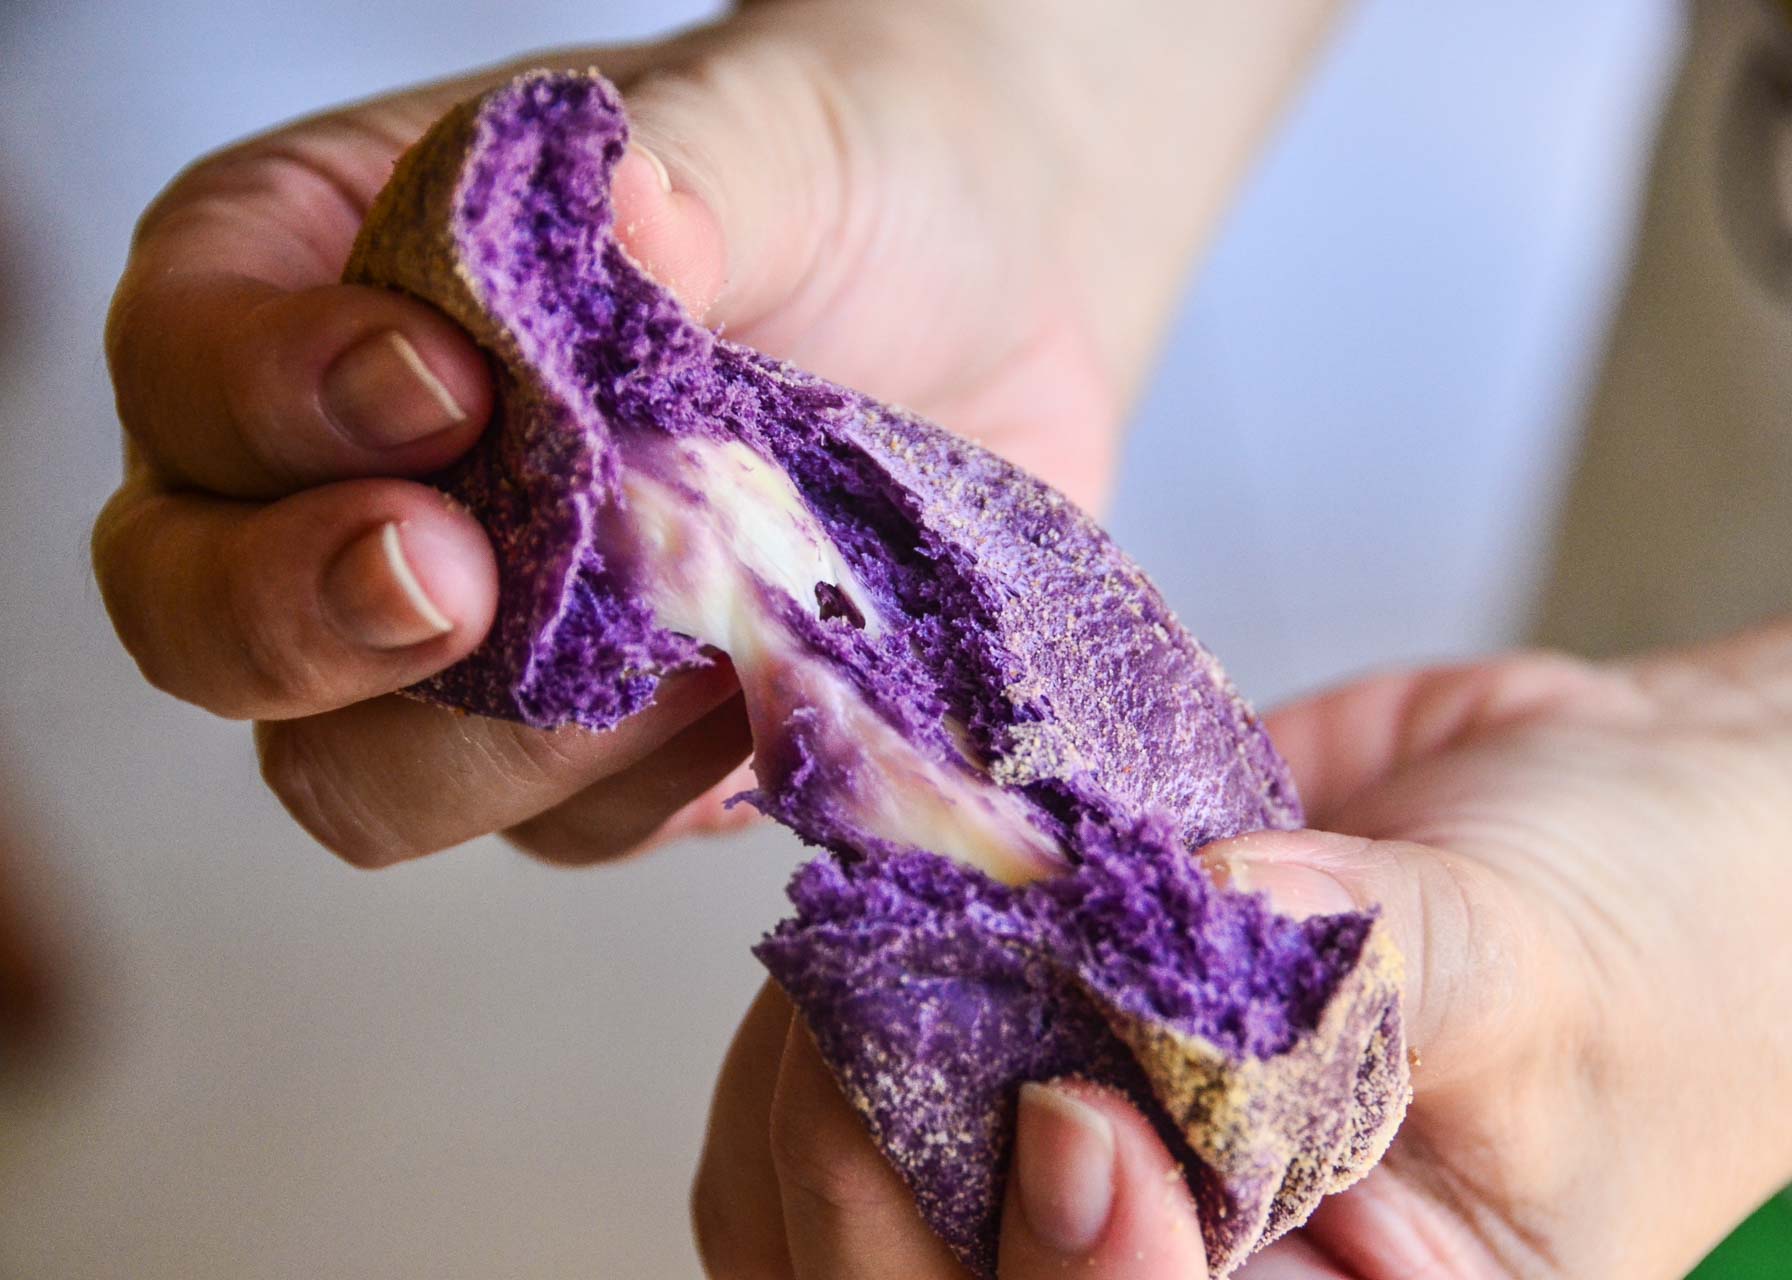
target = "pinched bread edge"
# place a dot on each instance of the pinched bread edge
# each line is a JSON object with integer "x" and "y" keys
{"x": 1272, "y": 1136}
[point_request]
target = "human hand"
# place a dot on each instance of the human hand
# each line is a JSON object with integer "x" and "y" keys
{"x": 909, "y": 202}
{"x": 1588, "y": 871}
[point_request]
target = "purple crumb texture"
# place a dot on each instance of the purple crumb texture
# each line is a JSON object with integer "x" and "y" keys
{"x": 1012, "y": 623}
{"x": 531, "y": 224}
{"x": 930, "y": 995}
{"x": 935, "y": 993}
{"x": 1020, "y": 618}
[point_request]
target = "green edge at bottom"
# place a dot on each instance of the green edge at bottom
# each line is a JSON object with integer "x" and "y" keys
{"x": 1760, "y": 1249}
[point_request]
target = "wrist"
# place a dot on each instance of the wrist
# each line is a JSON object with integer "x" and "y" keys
{"x": 1133, "y": 128}
{"x": 1721, "y": 719}
{"x": 1153, "y": 119}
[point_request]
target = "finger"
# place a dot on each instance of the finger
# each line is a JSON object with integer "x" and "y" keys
{"x": 736, "y": 1212}
{"x": 847, "y": 1215}
{"x": 676, "y": 237}
{"x": 711, "y": 813}
{"x": 1386, "y": 1225}
{"x": 671, "y": 233}
{"x": 626, "y": 810}
{"x": 240, "y": 366}
{"x": 1296, "y": 1258}
{"x": 391, "y": 779}
{"x": 307, "y": 604}
{"x": 1092, "y": 1188}
{"x": 773, "y": 199}
{"x": 1474, "y": 961}
{"x": 1342, "y": 741}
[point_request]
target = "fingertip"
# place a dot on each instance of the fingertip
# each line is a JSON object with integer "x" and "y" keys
{"x": 638, "y": 155}
{"x": 419, "y": 578}
{"x": 672, "y": 233}
{"x": 448, "y": 353}
{"x": 243, "y": 389}
{"x": 326, "y": 598}
{"x": 1064, "y": 1166}
{"x": 1092, "y": 1186}
{"x": 1300, "y": 872}
{"x": 394, "y": 375}
{"x": 453, "y": 571}
{"x": 1135, "y": 1144}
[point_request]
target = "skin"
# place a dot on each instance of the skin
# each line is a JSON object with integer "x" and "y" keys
{"x": 1585, "y": 868}
{"x": 229, "y": 559}
{"x": 1586, "y": 993}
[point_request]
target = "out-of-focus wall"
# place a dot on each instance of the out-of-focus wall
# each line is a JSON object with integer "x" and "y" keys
{"x": 1677, "y": 526}
{"x": 478, "y": 1067}
{"x": 1353, "y": 453}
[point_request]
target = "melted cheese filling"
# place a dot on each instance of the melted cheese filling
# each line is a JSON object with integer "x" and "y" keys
{"x": 706, "y": 559}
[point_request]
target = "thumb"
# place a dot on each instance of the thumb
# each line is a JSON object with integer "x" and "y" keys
{"x": 673, "y": 234}
{"x": 1091, "y": 1191}
{"x": 1472, "y": 956}
{"x": 732, "y": 188}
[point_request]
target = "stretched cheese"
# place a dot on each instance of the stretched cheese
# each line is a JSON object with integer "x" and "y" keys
{"x": 960, "y": 689}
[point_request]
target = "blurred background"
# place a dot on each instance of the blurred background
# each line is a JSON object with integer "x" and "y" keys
{"x": 225, "y": 1054}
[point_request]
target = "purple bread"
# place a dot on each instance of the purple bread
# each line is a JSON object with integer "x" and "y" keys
{"x": 1006, "y": 745}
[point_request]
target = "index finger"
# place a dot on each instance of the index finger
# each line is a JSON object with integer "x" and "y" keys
{"x": 847, "y": 1214}
{"x": 1092, "y": 1191}
{"x": 241, "y": 367}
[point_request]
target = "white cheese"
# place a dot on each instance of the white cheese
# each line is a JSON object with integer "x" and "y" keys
{"x": 703, "y": 558}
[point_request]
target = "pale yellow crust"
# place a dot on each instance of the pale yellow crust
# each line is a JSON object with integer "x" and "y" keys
{"x": 1273, "y": 1136}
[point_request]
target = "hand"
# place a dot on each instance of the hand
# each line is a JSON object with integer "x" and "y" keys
{"x": 1587, "y": 870}
{"x": 935, "y": 202}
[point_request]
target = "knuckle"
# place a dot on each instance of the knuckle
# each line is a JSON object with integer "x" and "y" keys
{"x": 257, "y": 395}
{"x": 115, "y": 546}
{"x": 588, "y": 829}
{"x": 806, "y": 89}
{"x": 724, "y": 1242}
{"x": 157, "y": 672}
{"x": 149, "y": 347}
{"x": 320, "y": 800}
{"x": 277, "y": 671}
{"x": 526, "y": 756}
{"x": 840, "y": 1179}
{"x": 121, "y": 333}
{"x": 135, "y": 334}
{"x": 545, "y": 840}
{"x": 182, "y": 190}
{"x": 1482, "y": 972}
{"x": 107, "y": 546}
{"x": 1448, "y": 704}
{"x": 1548, "y": 676}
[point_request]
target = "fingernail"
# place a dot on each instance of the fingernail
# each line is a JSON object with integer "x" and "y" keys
{"x": 375, "y": 597}
{"x": 1224, "y": 872}
{"x": 656, "y": 164}
{"x": 1295, "y": 890}
{"x": 380, "y": 393}
{"x": 1064, "y": 1168}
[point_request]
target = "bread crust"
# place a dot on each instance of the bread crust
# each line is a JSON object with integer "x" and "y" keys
{"x": 1085, "y": 697}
